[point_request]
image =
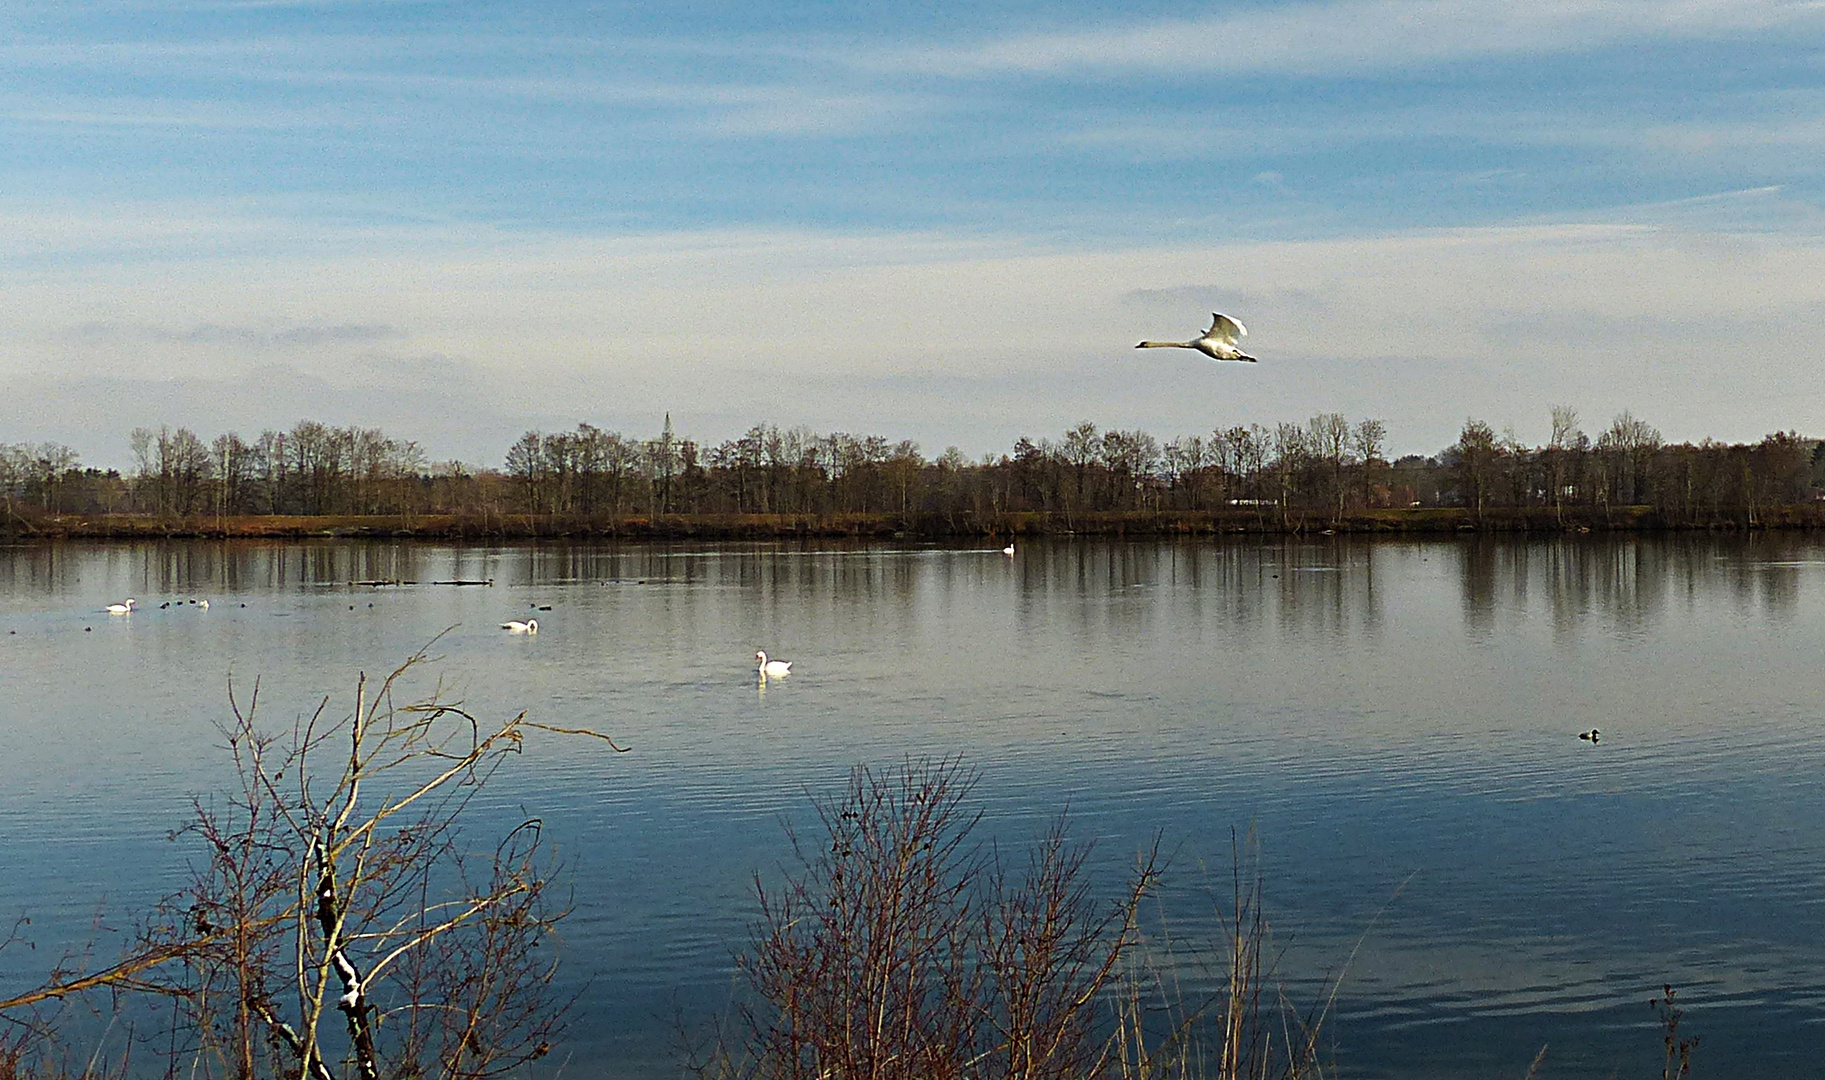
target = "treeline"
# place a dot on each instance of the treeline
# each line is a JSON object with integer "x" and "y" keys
{"x": 1328, "y": 467}
{"x": 313, "y": 469}
{"x": 38, "y": 475}
{"x": 1627, "y": 464}
{"x": 1325, "y": 469}
{"x": 772, "y": 470}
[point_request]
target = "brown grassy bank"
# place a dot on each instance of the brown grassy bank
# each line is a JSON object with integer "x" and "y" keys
{"x": 485, "y": 526}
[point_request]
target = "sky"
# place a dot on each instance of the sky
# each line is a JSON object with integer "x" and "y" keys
{"x": 460, "y": 221}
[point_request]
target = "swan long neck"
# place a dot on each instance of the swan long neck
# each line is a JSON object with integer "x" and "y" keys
{"x": 1167, "y": 345}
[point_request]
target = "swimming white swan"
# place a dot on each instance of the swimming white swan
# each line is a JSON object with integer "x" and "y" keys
{"x": 778, "y": 669}
{"x": 515, "y": 626}
{"x": 1009, "y": 550}
{"x": 122, "y": 609}
{"x": 1221, "y": 342}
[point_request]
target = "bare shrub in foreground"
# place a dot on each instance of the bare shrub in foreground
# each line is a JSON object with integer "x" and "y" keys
{"x": 900, "y": 950}
{"x": 895, "y": 949}
{"x": 1678, "y": 1064}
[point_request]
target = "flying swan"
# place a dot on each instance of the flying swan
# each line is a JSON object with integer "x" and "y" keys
{"x": 1220, "y": 342}
{"x": 122, "y": 609}
{"x": 515, "y": 626}
{"x": 777, "y": 669}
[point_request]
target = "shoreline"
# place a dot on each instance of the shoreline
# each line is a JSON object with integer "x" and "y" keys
{"x": 1406, "y": 521}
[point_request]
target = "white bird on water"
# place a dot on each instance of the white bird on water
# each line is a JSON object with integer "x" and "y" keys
{"x": 1221, "y": 342}
{"x": 122, "y": 609}
{"x": 1009, "y": 550}
{"x": 515, "y": 626}
{"x": 777, "y": 669}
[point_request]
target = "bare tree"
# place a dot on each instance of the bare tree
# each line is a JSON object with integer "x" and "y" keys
{"x": 1328, "y": 436}
{"x": 1292, "y": 454}
{"x": 1367, "y": 439}
{"x": 1479, "y": 456}
{"x": 1625, "y": 449}
{"x": 1132, "y": 460}
{"x": 1080, "y": 449}
{"x": 1564, "y": 451}
{"x": 336, "y": 922}
{"x": 34, "y": 472}
{"x": 526, "y": 465}
{"x": 174, "y": 469}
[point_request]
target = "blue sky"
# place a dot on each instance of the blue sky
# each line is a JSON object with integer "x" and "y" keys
{"x": 461, "y": 220}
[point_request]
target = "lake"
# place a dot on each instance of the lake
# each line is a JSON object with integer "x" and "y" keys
{"x": 1395, "y": 722}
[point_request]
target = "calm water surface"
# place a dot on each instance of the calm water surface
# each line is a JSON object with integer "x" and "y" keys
{"x": 1396, "y": 721}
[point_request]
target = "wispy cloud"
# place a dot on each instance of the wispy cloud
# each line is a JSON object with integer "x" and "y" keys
{"x": 1797, "y": 123}
{"x": 1355, "y": 36}
{"x": 1178, "y": 299}
{"x": 92, "y": 333}
{"x": 347, "y": 82}
{"x": 1768, "y": 209}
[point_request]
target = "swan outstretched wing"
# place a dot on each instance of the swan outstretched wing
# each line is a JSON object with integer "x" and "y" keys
{"x": 1225, "y": 328}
